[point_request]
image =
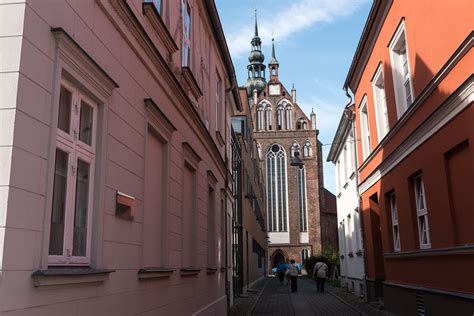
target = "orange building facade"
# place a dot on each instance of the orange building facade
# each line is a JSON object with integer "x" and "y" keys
{"x": 413, "y": 86}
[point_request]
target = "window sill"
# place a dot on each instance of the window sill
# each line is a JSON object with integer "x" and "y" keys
{"x": 189, "y": 271}
{"x": 150, "y": 11}
{"x": 352, "y": 175}
{"x": 339, "y": 195}
{"x": 69, "y": 275}
{"x": 211, "y": 270}
{"x": 220, "y": 139}
{"x": 345, "y": 185}
{"x": 191, "y": 82}
{"x": 154, "y": 273}
{"x": 452, "y": 251}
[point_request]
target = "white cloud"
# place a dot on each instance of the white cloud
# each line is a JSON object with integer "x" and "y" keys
{"x": 300, "y": 15}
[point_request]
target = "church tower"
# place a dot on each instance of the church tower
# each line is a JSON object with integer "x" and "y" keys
{"x": 285, "y": 134}
{"x": 256, "y": 68}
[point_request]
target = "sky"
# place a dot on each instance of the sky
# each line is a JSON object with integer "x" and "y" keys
{"x": 315, "y": 41}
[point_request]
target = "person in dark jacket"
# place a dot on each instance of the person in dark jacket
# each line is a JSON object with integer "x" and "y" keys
{"x": 320, "y": 273}
{"x": 281, "y": 269}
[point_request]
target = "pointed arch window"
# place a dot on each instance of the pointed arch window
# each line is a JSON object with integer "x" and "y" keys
{"x": 304, "y": 255}
{"x": 307, "y": 149}
{"x": 289, "y": 114}
{"x": 277, "y": 189}
{"x": 259, "y": 118}
{"x": 295, "y": 147}
{"x": 280, "y": 117}
{"x": 301, "y": 124}
{"x": 268, "y": 118}
{"x": 302, "y": 201}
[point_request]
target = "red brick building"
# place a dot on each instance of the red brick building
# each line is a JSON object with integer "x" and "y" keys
{"x": 293, "y": 195}
{"x": 412, "y": 80}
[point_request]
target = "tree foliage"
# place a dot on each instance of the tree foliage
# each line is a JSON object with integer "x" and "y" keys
{"x": 329, "y": 257}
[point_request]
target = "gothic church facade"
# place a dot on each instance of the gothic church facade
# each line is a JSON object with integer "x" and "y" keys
{"x": 294, "y": 194}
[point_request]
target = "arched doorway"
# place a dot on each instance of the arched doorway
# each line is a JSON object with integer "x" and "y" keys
{"x": 277, "y": 257}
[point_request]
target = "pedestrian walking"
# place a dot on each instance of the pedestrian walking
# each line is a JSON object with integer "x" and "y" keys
{"x": 287, "y": 272}
{"x": 281, "y": 268}
{"x": 320, "y": 273}
{"x": 293, "y": 272}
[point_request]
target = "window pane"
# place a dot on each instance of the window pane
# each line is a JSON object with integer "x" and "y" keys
{"x": 56, "y": 238}
{"x": 85, "y": 123}
{"x": 64, "y": 117}
{"x": 80, "y": 214}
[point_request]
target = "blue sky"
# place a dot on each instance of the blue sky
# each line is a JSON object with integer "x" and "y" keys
{"x": 315, "y": 41}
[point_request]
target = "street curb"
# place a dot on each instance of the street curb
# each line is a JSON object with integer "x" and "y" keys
{"x": 258, "y": 297}
{"x": 345, "y": 302}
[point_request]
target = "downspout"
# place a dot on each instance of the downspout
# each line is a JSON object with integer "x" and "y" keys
{"x": 226, "y": 184}
{"x": 350, "y": 115}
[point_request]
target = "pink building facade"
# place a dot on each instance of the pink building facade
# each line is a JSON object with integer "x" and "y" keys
{"x": 114, "y": 145}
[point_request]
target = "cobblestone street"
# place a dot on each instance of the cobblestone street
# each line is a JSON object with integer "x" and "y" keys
{"x": 277, "y": 299}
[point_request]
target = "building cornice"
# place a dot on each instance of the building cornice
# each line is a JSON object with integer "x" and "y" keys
{"x": 340, "y": 137}
{"x": 224, "y": 49}
{"x": 370, "y": 33}
{"x": 135, "y": 36}
{"x": 455, "y": 104}
{"x": 460, "y": 52}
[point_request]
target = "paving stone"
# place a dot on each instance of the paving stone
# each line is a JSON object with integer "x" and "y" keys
{"x": 277, "y": 299}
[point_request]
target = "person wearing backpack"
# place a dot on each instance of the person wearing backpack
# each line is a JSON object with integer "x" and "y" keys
{"x": 293, "y": 271}
{"x": 320, "y": 273}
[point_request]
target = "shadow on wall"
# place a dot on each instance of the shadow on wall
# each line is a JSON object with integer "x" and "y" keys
{"x": 376, "y": 209}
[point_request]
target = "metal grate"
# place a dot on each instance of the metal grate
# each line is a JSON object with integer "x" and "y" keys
{"x": 420, "y": 304}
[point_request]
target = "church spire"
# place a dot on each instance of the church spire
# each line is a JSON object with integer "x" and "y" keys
{"x": 256, "y": 26}
{"x": 273, "y": 64}
{"x": 273, "y": 60}
{"x": 256, "y": 68}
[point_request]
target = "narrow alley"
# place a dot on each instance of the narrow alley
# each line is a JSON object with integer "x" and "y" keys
{"x": 277, "y": 299}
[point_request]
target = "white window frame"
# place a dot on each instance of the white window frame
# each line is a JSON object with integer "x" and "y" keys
{"x": 302, "y": 199}
{"x": 380, "y": 102}
{"x": 338, "y": 175}
{"x": 158, "y": 4}
{"x": 186, "y": 36}
{"x": 346, "y": 164}
{"x": 218, "y": 102}
{"x": 277, "y": 191}
{"x": 259, "y": 118}
{"x": 280, "y": 112}
{"x": 70, "y": 143}
{"x": 421, "y": 212}
{"x": 294, "y": 148}
{"x": 268, "y": 117}
{"x": 398, "y": 47}
{"x": 365, "y": 128}
{"x": 395, "y": 225}
{"x": 351, "y": 153}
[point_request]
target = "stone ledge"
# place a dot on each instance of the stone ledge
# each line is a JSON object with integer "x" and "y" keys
{"x": 72, "y": 275}
{"x": 189, "y": 271}
{"x": 211, "y": 270}
{"x": 154, "y": 273}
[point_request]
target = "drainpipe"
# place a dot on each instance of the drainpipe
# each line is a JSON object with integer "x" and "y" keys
{"x": 350, "y": 115}
{"x": 226, "y": 184}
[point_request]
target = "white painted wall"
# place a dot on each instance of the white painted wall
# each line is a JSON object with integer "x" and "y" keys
{"x": 350, "y": 239}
